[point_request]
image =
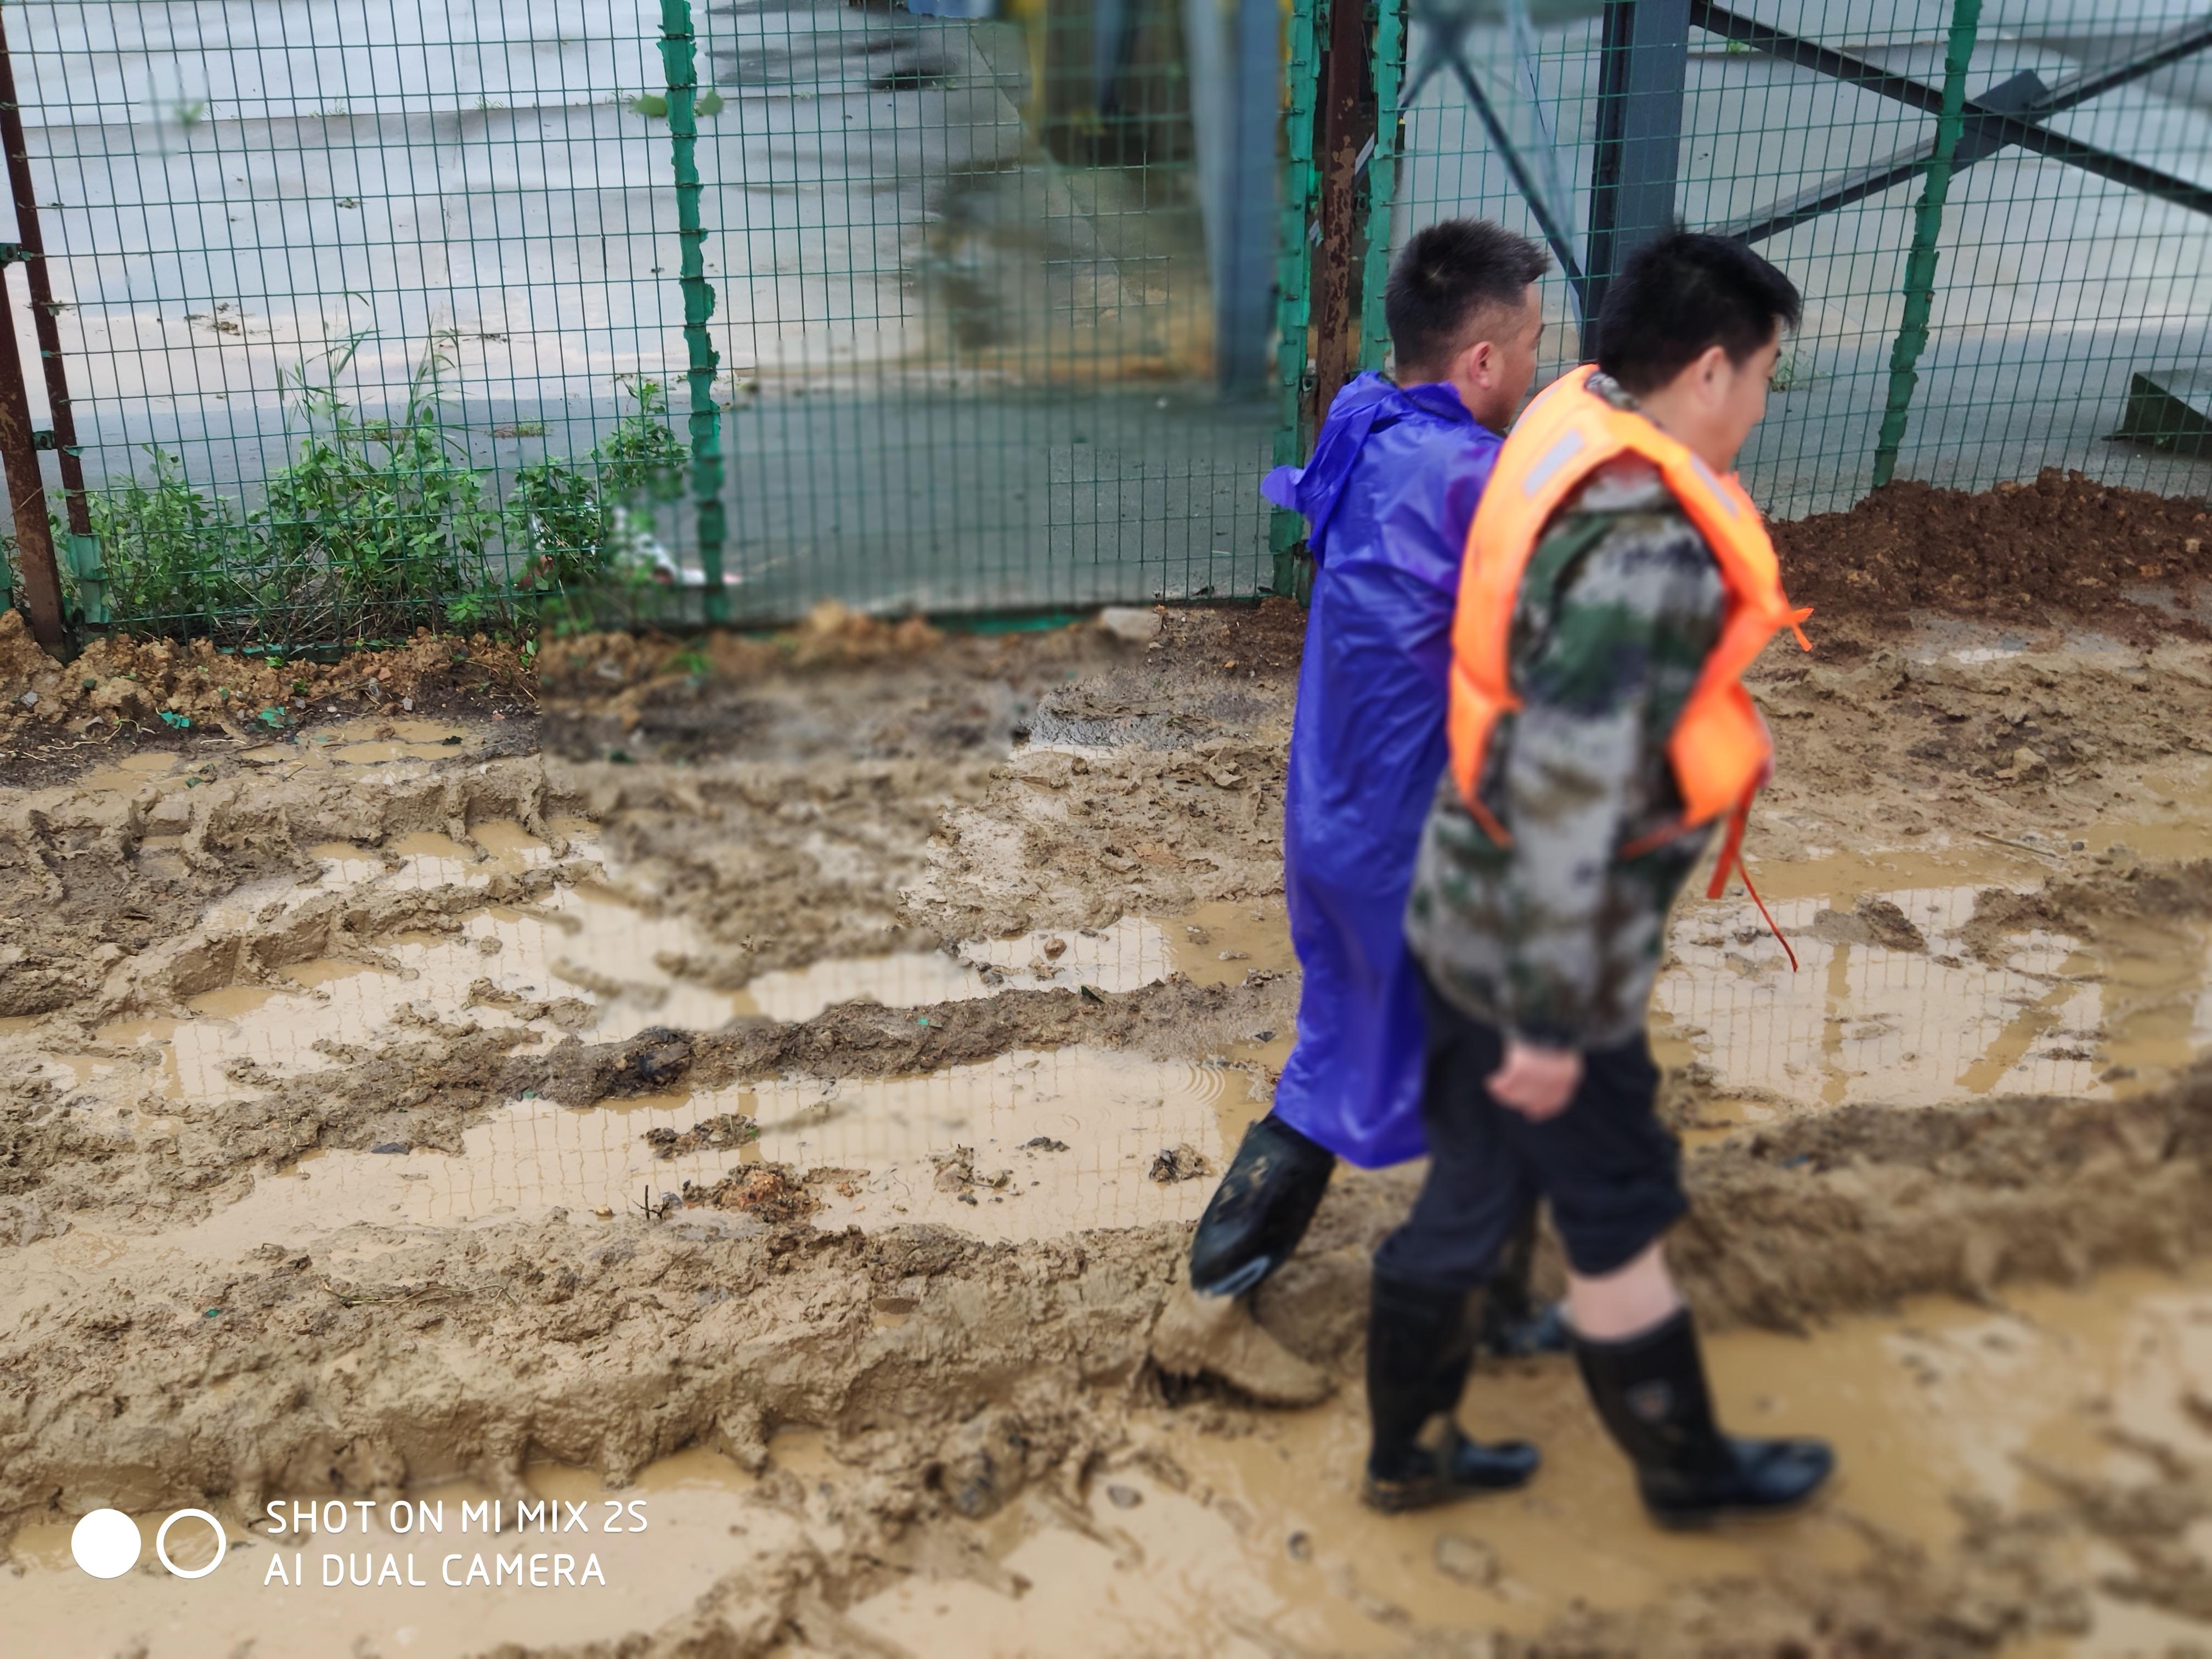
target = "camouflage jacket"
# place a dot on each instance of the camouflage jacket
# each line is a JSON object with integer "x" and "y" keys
{"x": 1556, "y": 939}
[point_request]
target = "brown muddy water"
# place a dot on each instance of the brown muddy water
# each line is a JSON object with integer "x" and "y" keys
{"x": 798, "y": 1145}
{"x": 1899, "y": 997}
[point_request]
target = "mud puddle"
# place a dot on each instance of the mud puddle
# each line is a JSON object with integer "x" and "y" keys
{"x": 1255, "y": 1542}
{"x": 1890, "y": 1003}
{"x": 1976, "y": 954}
{"x": 340, "y": 744}
{"x": 1899, "y": 997}
{"x": 660, "y": 1543}
{"x": 585, "y": 959}
{"x": 1030, "y": 1146}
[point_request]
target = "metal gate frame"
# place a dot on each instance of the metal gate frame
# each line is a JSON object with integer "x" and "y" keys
{"x": 1346, "y": 89}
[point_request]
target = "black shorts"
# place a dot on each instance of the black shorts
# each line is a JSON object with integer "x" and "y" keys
{"x": 1609, "y": 1169}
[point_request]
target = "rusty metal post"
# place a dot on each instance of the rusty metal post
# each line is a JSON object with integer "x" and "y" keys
{"x": 43, "y": 318}
{"x": 19, "y": 456}
{"x": 1347, "y": 109}
{"x": 26, "y": 490}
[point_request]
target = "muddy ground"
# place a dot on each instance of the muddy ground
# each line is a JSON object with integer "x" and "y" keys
{"x": 777, "y": 1078}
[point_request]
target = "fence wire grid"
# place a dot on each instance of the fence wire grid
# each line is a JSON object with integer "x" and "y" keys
{"x": 2019, "y": 311}
{"x": 393, "y": 313}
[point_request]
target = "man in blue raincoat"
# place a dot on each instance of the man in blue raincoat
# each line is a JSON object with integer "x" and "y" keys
{"x": 1396, "y": 471}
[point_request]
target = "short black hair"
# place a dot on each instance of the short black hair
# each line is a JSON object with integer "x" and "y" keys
{"x": 1446, "y": 275}
{"x": 1682, "y": 293}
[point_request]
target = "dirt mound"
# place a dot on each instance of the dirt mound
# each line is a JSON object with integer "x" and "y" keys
{"x": 169, "y": 690}
{"x": 20, "y": 658}
{"x": 1859, "y": 1206}
{"x": 2017, "y": 553}
{"x": 831, "y": 636}
{"x": 585, "y": 1342}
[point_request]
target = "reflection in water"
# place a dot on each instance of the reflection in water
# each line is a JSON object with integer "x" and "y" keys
{"x": 1029, "y": 1146}
{"x": 583, "y": 960}
{"x": 1865, "y": 1021}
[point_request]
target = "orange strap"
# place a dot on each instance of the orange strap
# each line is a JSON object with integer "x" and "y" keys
{"x": 1732, "y": 855}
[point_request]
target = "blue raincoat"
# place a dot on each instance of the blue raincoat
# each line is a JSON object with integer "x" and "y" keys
{"x": 1389, "y": 495}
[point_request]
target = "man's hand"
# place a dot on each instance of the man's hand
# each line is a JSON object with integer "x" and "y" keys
{"x": 1537, "y": 1082}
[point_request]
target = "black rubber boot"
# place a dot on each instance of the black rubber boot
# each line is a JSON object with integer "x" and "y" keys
{"x": 1420, "y": 1345}
{"x": 1260, "y": 1210}
{"x": 1650, "y": 1391}
{"x": 1514, "y": 1325}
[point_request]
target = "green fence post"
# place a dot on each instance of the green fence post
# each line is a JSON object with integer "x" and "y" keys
{"x": 1382, "y": 179}
{"x": 89, "y": 567}
{"x": 1294, "y": 282}
{"x": 679, "y": 58}
{"x": 1926, "y": 230}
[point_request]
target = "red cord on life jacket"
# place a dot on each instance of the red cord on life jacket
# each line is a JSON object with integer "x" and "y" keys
{"x": 1732, "y": 853}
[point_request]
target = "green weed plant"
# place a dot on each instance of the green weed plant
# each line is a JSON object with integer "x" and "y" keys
{"x": 379, "y": 526}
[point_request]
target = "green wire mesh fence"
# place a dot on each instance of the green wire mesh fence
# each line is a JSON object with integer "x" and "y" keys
{"x": 370, "y": 313}
{"x": 2000, "y": 213}
{"x": 395, "y": 313}
{"x": 400, "y": 313}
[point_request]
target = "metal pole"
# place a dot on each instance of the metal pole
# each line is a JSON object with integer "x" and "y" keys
{"x": 1258, "y": 59}
{"x": 1294, "y": 284}
{"x": 1383, "y": 177}
{"x": 43, "y": 315}
{"x": 1927, "y": 232}
{"x": 1233, "y": 51}
{"x": 26, "y": 490}
{"x": 1562, "y": 247}
{"x": 1347, "y": 108}
{"x": 679, "y": 58}
{"x": 1643, "y": 72}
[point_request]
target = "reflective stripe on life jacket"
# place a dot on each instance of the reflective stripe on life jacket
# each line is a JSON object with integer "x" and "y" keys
{"x": 1719, "y": 747}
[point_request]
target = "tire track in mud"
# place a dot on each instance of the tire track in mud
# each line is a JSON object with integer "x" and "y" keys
{"x": 426, "y": 1086}
{"x": 952, "y": 1373}
{"x": 108, "y": 873}
{"x": 377, "y": 1366}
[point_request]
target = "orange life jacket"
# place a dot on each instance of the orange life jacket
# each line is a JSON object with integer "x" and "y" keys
{"x": 1720, "y": 748}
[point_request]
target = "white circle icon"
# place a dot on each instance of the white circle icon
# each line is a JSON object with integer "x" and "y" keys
{"x": 106, "y": 1543}
{"x": 161, "y": 1542}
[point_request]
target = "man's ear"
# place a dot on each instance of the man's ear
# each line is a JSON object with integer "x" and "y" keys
{"x": 1711, "y": 377}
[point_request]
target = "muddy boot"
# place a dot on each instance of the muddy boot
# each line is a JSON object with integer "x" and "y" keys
{"x": 1217, "y": 1336}
{"x": 1420, "y": 1345}
{"x": 1514, "y": 1325}
{"x": 1260, "y": 1210}
{"x": 1650, "y": 1391}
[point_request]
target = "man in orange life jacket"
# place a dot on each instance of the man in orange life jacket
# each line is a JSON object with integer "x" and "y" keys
{"x": 1617, "y": 584}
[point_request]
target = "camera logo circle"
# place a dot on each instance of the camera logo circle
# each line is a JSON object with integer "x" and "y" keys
{"x": 106, "y": 1543}
{"x": 162, "y": 1542}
